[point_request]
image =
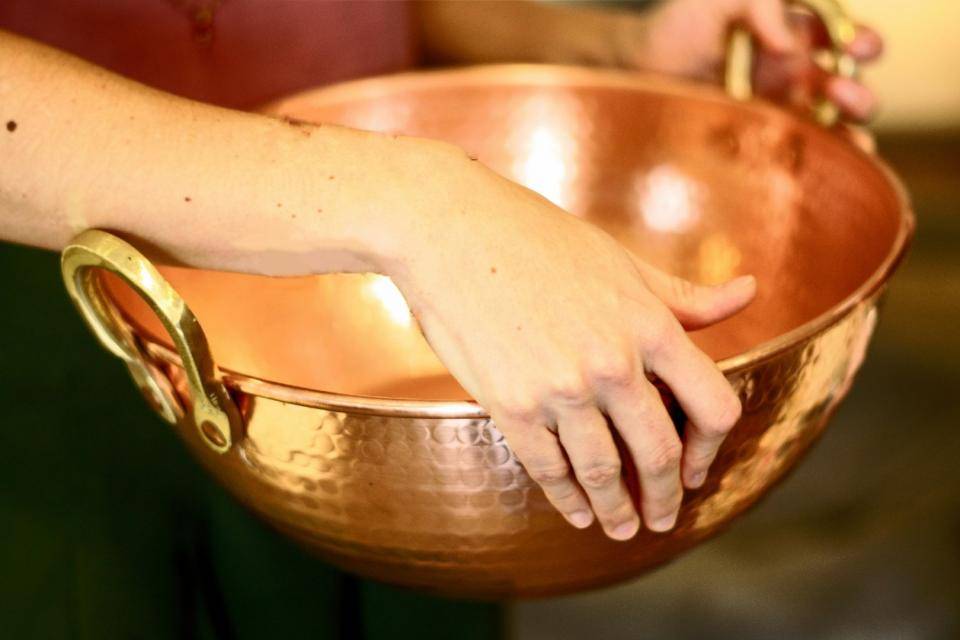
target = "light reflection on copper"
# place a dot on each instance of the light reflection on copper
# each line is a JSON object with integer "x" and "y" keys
{"x": 388, "y": 295}
{"x": 543, "y": 169}
{"x": 668, "y": 200}
{"x": 545, "y": 156}
{"x": 718, "y": 259}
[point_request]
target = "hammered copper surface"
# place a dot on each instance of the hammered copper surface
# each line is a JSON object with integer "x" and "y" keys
{"x": 426, "y": 493}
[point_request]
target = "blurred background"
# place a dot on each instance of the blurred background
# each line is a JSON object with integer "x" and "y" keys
{"x": 863, "y": 540}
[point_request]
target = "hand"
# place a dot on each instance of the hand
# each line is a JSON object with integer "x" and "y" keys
{"x": 688, "y": 38}
{"x": 551, "y": 325}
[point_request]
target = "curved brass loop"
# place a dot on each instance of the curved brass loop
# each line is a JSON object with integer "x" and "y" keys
{"x": 212, "y": 411}
{"x": 841, "y": 30}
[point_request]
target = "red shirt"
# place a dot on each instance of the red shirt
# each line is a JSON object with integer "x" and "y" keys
{"x": 235, "y": 53}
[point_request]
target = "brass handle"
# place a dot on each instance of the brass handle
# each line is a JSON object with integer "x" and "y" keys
{"x": 841, "y": 31}
{"x": 212, "y": 411}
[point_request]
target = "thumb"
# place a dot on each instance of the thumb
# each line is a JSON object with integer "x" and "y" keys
{"x": 767, "y": 20}
{"x": 698, "y": 306}
{"x": 860, "y": 137}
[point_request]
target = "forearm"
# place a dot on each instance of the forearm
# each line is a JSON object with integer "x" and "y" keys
{"x": 524, "y": 31}
{"x": 214, "y": 188}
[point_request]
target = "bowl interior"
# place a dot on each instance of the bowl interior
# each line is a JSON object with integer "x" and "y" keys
{"x": 701, "y": 186}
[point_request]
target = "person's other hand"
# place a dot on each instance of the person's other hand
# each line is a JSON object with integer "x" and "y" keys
{"x": 552, "y": 326}
{"x": 688, "y": 38}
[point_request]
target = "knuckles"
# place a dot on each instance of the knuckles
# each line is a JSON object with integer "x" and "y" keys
{"x": 570, "y": 388}
{"x": 661, "y": 331}
{"x": 548, "y": 475}
{"x": 611, "y": 369}
{"x": 664, "y": 459}
{"x": 521, "y": 409}
{"x": 698, "y": 459}
{"x": 600, "y": 368}
{"x": 599, "y": 474}
{"x": 683, "y": 291}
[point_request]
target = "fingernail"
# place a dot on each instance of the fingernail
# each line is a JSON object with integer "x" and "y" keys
{"x": 580, "y": 519}
{"x": 747, "y": 281}
{"x": 626, "y": 530}
{"x": 853, "y": 97}
{"x": 860, "y": 47}
{"x": 866, "y": 44}
{"x": 846, "y": 90}
{"x": 664, "y": 524}
{"x": 696, "y": 480}
{"x": 743, "y": 285}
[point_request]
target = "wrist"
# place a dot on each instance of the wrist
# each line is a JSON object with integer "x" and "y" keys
{"x": 660, "y": 41}
{"x": 384, "y": 201}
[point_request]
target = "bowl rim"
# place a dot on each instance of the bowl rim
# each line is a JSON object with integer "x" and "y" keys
{"x": 561, "y": 75}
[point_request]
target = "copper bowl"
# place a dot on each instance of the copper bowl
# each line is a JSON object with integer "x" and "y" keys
{"x": 330, "y": 417}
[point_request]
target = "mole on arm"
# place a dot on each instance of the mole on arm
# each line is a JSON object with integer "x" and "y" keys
{"x": 11, "y": 126}
{"x": 302, "y": 125}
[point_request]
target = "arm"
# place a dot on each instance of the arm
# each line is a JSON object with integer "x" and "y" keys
{"x": 676, "y": 37}
{"x": 482, "y": 31}
{"x": 220, "y": 189}
{"x": 213, "y": 188}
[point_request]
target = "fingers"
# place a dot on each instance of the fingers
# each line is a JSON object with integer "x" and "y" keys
{"x": 859, "y": 136}
{"x": 589, "y": 444}
{"x": 768, "y": 21}
{"x": 539, "y": 451}
{"x": 867, "y": 45}
{"x": 645, "y": 426}
{"x": 704, "y": 394}
{"x": 855, "y": 100}
{"x": 697, "y": 306}
{"x": 700, "y": 388}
